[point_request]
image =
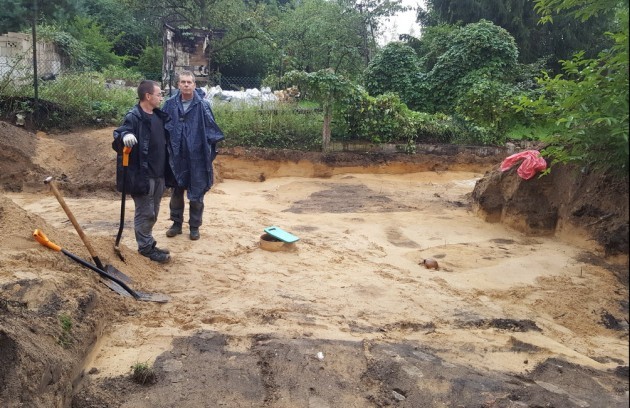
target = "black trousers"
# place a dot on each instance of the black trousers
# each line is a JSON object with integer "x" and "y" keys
{"x": 178, "y": 204}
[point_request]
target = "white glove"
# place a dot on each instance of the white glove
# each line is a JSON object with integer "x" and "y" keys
{"x": 129, "y": 140}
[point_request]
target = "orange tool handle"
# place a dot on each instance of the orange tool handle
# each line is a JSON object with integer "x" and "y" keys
{"x": 125, "y": 159}
{"x": 43, "y": 239}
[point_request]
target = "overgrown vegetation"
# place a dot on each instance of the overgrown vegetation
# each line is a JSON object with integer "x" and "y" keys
{"x": 79, "y": 99}
{"x": 587, "y": 105}
{"x": 385, "y": 119}
{"x": 521, "y": 19}
{"x": 474, "y": 76}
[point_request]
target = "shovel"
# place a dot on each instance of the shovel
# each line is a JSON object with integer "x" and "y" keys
{"x": 111, "y": 270}
{"x": 125, "y": 163}
{"x": 109, "y": 279}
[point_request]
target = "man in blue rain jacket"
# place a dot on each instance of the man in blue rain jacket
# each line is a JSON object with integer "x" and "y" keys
{"x": 194, "y": 135}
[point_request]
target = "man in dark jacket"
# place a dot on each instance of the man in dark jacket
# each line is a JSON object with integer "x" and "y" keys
{"x": 193, "y": 138}
{"x": 143, "y": 130}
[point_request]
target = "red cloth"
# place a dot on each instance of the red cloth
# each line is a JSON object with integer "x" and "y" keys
{"x": 532, "y": 163}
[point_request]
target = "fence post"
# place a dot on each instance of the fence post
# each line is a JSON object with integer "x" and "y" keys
{"x": 35, "y": 82}
{"x": 171, "y": 73}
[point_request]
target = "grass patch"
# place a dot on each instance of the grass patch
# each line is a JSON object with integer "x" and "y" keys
{"x": 143, "y": 374}
{"x": 65, "y": 338}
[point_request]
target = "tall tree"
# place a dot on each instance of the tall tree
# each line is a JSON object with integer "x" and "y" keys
{"x": 227, "y": 21}
{"x": 99, "y": 48}
{"x": 130, "y": 30}
{"x": 560, "y": 40}
{"x": 588, "y": 103}
{"x": 17, "y": 15}
{"x": 318, "y": 34}
{"x": 371, "y": 12}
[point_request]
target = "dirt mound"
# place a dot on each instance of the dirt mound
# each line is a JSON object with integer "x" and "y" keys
{"x": 40, "y": 352}
{"x": 82, "y": 161}
{"x": 52, "y": 309}
{"x": 17, "y": 148}
{"x": 567, "y": 201}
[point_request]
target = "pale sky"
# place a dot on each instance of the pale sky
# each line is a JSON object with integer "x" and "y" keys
{"x": 403, "y": 23}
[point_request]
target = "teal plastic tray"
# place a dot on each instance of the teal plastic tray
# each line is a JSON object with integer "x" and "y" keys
{"x": 281, "y": 234}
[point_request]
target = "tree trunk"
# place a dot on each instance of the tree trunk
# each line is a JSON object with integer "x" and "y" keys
{"x": 326, "y": 129}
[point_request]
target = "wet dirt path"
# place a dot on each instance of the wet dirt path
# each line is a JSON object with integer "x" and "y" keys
{"x": 500, "y": 301}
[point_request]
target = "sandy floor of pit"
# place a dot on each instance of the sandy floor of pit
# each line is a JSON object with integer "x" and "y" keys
{"x": 355, "y": 274}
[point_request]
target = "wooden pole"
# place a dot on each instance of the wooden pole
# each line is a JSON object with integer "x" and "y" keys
{"x": 35, "y": 80}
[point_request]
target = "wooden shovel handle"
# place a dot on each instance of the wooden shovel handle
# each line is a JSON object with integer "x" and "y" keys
{"x": 43, "y": 239}
{"x": 53, "y": 187}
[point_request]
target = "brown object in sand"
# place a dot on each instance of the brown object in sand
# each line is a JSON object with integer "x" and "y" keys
{"x": 430, "y": 263}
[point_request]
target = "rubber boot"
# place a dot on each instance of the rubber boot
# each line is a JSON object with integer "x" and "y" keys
{"x": 196, "y": 214}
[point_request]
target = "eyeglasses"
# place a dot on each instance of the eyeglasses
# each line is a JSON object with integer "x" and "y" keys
{"x": 158, "y": 95}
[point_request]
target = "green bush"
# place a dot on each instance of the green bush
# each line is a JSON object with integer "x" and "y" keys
{"x": 385, "y": 119}
{"x": 380, "y": 119}
{"x": 587, "y": 109}
{"x": 393, "y": 70}
{"x": 433, "y": 128}
{"x": 530, "y": 132}
{"x": 469, "y": 133}
{"x": 479, "y": 48}
{"x": 150, "y": 63}
{"x": 488, "y": 104}
{"x": 143, "y": 374}
{"x": 588, "y": 102}
{"x": 98, "y": 47}
{"x": 274, "y": 126}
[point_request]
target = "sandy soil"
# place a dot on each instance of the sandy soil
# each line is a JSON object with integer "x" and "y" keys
{"x": 507, "y": 320}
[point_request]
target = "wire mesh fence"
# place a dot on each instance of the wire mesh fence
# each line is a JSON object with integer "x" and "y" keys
{"x": 226, "y": 83}
{"x": 52, "y": 91}
{"x": 18, "y": 72}
{"x": 22, "y": 74}
{"x": 236, "y": 83}
{"x": 52, "y": 94}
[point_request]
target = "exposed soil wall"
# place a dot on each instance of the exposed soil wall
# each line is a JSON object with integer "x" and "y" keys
{"x": 569, "y": 200}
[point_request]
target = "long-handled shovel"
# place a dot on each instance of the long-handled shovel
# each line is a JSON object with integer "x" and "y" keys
{"x": 111, "y": 270}
{"x": 147, "y": 297}
{"x": 125, "y": 163}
